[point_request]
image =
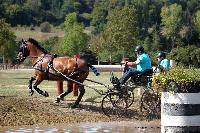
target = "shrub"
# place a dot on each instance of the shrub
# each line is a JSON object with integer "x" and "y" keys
{"x": 32, "y": 27}
{"x": 50, "y": 44}
{"x": 45, "y": 27}
{"x": 184, "y": 80}
{"x": 187, "y": 56}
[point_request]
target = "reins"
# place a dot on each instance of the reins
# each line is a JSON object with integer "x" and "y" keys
{"x": 68, "y": 78}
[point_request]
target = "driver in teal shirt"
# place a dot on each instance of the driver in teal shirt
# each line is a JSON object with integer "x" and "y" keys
{"x": 142, "y": 63}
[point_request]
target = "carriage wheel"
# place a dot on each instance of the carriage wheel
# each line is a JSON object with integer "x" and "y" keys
{"x": 150, "y": 104}
{"x": 129, "y": 94}
{"x": 128, "y": 97}
{"x": 113, "y": 104}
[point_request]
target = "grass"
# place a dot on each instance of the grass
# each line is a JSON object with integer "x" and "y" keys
{"x": 36, "y": 34}
{"x": 15, "y": 83}
{"x": 25, "y": 32}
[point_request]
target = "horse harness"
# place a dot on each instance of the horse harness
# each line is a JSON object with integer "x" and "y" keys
{"x": 38, "y": 66}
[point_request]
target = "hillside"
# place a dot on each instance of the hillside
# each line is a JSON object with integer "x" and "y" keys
{"x": 36, "y": 34}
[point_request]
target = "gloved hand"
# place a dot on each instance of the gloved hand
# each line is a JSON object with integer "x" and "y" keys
{"x": 55, "y": 55}
{"x": 50, "y": 63}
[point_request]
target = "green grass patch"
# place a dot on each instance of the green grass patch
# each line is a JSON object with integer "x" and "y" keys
{"x": 15, "y": 83}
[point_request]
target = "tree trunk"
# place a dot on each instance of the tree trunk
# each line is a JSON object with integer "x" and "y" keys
{"x": 3, "y": 59}
{"x": 110, "y": 59}
{"x": 98, "y": 60}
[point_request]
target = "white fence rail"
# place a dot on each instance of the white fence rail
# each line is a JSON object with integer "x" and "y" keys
{"x": 109, "y": 68}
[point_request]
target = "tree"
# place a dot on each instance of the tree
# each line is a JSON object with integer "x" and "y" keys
{"x": 7, "y": 47}
{"x": 75, "y": 40}
{"x": 51, "y": 44}
{"x": 197, "y": 22}
{"x": 70, "y": 6}
{"x": 34, "y": 8}
{"x": 187, "y": 56}
{"x": 121, "y": 31}
{"x": 98, "y": 19}
{"x": 171, "y": 21}
{"x": 96, "y": 45}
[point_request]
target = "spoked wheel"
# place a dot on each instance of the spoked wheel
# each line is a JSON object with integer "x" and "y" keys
{"x": 129, "y": 93}
{"x": 113, "y": 104}
{"x": 150, "y": 104}
{"x": 128, "y": 97}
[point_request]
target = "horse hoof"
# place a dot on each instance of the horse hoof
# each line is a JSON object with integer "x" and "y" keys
{"x": 57, "y": 100}
{"x": 31, "y": 92}
{"x": 74, "y": 106}
{"x": 46, "y": 94}
{"x": 62, "y": 99}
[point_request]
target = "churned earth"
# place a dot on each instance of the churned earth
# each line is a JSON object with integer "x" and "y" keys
{"x": 16, "y": 111}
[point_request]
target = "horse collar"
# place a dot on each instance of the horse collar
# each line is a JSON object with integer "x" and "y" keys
{"x": 38, "y": 61}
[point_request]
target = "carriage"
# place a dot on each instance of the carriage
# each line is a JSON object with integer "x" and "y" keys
{"x": 115, "y": 101}
{"x": 118, "y": 101}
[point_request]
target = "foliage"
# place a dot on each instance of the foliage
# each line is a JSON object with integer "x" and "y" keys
{"x": 27, "y": 12}
{"x": 188, "y": 56}
{"x": 7, "y": 44}
{"x": 120, "y": 34}
{"x": 96, "y": 45}
{"x": 75, "y": 40}
{"x": 118, "y": 25}
{"x": 184, "y": 79}
{"x": 50, "y": 44}
{"x": 45, "y": 27}
{"x": 98, "y": 18}
{"x": 197, "y": 22}
{"x": 171, "y": 21}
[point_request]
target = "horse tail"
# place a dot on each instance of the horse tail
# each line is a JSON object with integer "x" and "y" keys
{"x": 94, "y": 69}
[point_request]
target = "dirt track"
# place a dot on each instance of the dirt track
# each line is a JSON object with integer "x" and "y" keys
{"x": 16, "y": 111}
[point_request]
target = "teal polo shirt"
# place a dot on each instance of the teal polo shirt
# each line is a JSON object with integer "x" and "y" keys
{"x": 165, "y": 63}
{"x": 144, "y": 62}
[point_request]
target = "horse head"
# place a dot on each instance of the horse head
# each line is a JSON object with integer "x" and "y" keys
{"x": 23, "y": 51}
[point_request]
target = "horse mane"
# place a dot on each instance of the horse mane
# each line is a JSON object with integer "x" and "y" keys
{"x": 34, "y": 42}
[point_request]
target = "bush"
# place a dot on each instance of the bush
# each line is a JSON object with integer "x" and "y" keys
{"x": 45, "y": 27}
{"x": 187, "y": 56}
{"x": 50, "y": 44}
{"x": 184, "y": 79}
{"x": 32, "y": 27}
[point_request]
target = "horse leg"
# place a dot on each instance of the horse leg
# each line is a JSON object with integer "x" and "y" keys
{"x": 30, "y": 86}
{"x": 44, "y": 93}
{"x": 82, "y": 92}
{"x": 62, "y": 95}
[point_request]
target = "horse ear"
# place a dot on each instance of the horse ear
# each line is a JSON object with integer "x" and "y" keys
{"x": 24, "y": 41}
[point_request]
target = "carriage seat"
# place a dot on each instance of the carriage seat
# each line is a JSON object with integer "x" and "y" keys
{"x": 147, "y": 72}
{"x": 142, "y": 76}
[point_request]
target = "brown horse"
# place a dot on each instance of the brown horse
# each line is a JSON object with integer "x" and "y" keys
{"x": 51, "y": 67}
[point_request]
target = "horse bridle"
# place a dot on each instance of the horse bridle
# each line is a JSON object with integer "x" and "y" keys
{"x": 24, "y": 50}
